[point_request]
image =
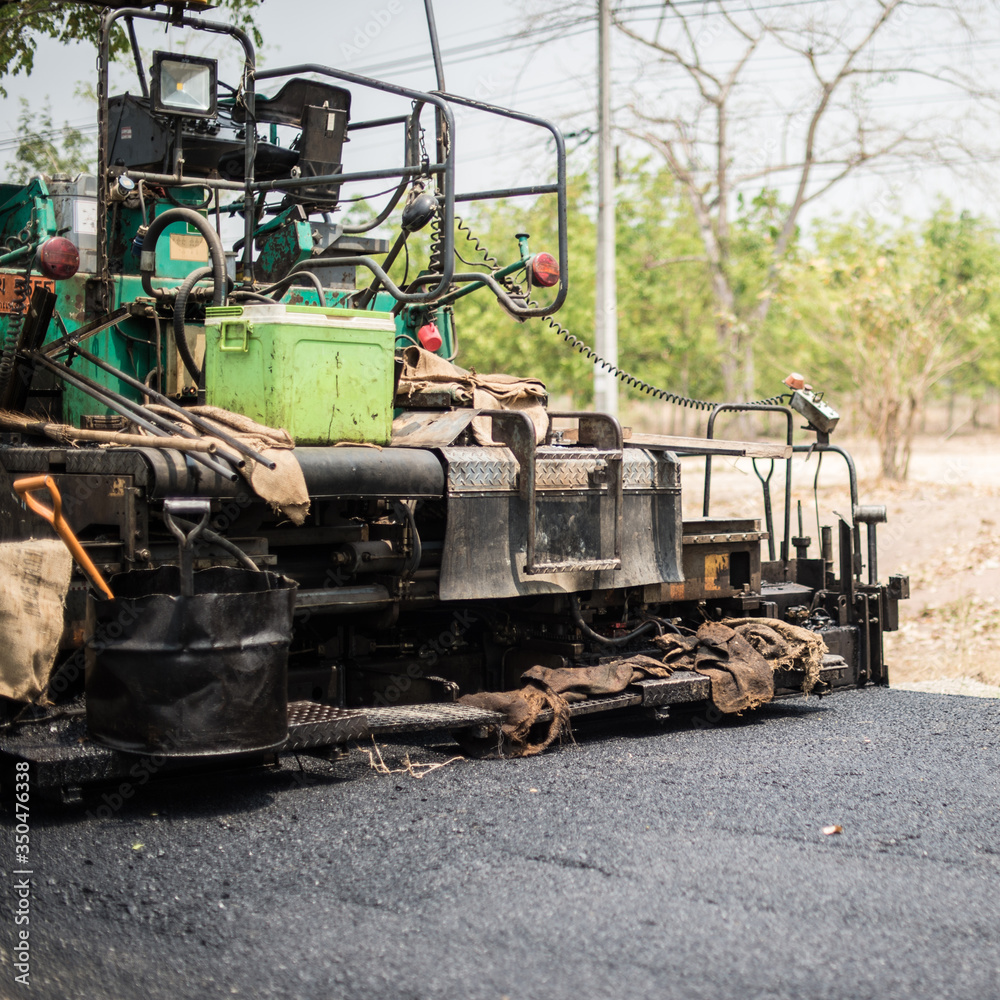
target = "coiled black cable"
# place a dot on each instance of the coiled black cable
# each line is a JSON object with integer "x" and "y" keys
{"x": 637, "y": 383}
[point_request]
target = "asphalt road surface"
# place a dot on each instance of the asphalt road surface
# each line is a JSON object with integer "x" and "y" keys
{"x": 641, "y": 861}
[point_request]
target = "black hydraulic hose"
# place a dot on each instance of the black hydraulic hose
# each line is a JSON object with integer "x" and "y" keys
{"x": 574, "y": 606}
{"x": 180, "y": 334}
{"x": 242, "y": 293}
{"x": 147, "y": 260}
{"x": 222, "y": 542}
{"x": 298, "y": 272}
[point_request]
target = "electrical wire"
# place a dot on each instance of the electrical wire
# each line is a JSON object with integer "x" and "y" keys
{"x": 634, "y": 382}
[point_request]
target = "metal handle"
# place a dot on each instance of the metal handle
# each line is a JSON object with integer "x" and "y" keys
{"x": 185, "y": 540}
{"x": 25, "y": 488}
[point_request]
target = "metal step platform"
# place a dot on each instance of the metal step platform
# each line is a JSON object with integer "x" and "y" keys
{"x": 63, "y": 758}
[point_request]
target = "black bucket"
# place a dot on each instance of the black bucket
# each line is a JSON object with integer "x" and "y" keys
{"x": 190, "y": 676}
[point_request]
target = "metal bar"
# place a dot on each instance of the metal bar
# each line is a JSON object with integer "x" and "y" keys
{"x": 137, "y": 55}
{"x": 174, "y": 180}
{"x": 84, "y": 332}
{"x": 490, "y": 282}
{"x": 435, "y": 46}
{"x": 203, "y": 425}
{"x": 378, "y": 122}
{"x": 291, "y": 183}
{"x": 515, "y": 192}
{"x": 17, "y": 254}
{"x": 872, "y": 556}
{"x": 846, "y": 561}
{"x": 759, "y": 408}
{"x": 448, "y": 173}
{"x": 133, "y": 411}
{"x": 852, "y": 474}
{"x": 560, "y": 146}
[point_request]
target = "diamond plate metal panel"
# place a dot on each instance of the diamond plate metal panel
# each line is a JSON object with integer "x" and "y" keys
{"x": 495, "y": 468}
{"x": 311, "y": 724}
{"x": 414, "y": 718}
{"x": 682, "y": 686}
{"x": 481, "y": 469}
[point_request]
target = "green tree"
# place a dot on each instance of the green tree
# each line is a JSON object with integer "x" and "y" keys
{"x": 23, "y": 22}
{"x": 44, "y": 148}
{"x": 904, "y": 308}
{"x": 664, "y": 303}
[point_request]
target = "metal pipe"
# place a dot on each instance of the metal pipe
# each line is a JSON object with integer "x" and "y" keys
{"x": 385, "y": 173}
{"x": 852, "y": 474}
{"x": 133, "y": 411}
{"x": 751, "y": 408}
{"x": 435, "y": 46}
{"x": 446, "y": 169}
{"x": 514, "y": 192}
{"x": 20, "y": 252}
{"x": 560, "y": 146}
{"x": 203, "y": 425}
{"x": 137, "y": 55}
{"x": 378, "y": 122}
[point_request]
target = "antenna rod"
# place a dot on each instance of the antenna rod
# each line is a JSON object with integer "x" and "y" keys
{"x": 435, "y": 47}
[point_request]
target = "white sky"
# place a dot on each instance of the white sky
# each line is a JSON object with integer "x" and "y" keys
{"x": 555, "y": 80}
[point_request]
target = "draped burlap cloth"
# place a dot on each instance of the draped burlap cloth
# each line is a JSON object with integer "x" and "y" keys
{"x": 738, "y": 656}
{"x": 555, "y": 688}
{"x": 284, "y": 488}
{"x": 34, "y": 581}
{"x": 423, "y": 371}
{"x": 784, "y": 646}
{"x": 741, "y": 678}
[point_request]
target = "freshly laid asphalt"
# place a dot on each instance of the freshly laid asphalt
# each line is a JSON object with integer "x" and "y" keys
{"x": 644, "y": 860}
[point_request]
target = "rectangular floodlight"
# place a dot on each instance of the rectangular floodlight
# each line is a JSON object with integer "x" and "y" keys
{"x": 183, "y": 85}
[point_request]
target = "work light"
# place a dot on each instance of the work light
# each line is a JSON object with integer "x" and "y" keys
{"x": 183, "y": 85}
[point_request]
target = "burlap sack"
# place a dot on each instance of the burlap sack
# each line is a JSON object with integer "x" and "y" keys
{"x": 34, "y": 581}
{"x": 423, "y": 370}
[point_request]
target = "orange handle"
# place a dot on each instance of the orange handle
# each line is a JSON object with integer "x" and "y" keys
{"x": 24, "y": 488}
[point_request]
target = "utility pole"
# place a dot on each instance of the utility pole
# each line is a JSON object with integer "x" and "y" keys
{"x": 606, "y": 318}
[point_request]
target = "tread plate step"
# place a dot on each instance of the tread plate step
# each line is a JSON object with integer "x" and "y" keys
{"x": 413, "y": 718}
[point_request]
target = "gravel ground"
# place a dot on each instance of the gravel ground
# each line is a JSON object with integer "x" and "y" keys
{"x": 943, "y": 532}
{"x": 686, "y": 860}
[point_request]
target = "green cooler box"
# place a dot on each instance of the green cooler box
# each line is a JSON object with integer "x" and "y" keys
{"x": 324, "y": 375}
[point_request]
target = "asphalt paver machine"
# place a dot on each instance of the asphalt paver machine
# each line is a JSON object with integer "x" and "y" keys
{"x": 227, "y": 389}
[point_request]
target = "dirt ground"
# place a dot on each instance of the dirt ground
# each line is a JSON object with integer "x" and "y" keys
{"x": 943, "y": 531}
